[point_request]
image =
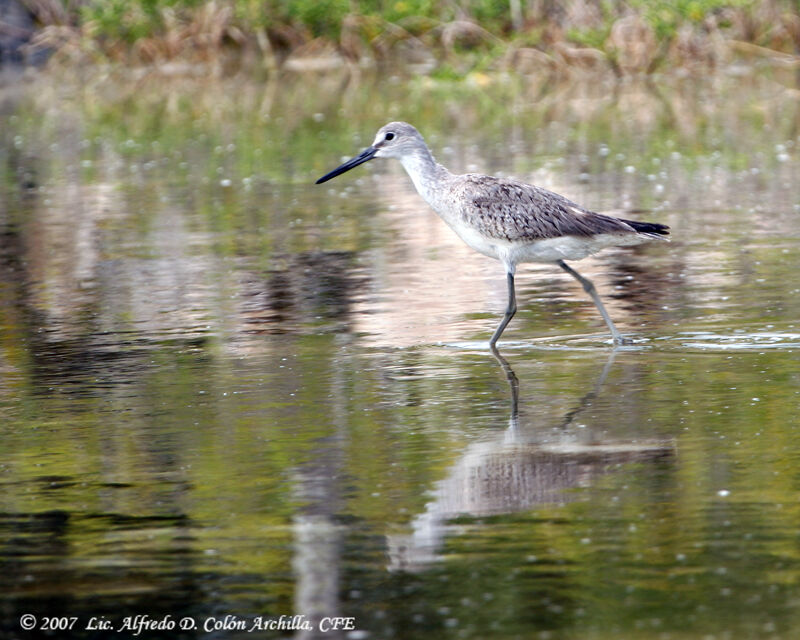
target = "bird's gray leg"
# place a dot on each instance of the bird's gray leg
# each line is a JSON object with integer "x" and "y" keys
{"x": 589, "y": 288}
{"x": 511, "y": 309}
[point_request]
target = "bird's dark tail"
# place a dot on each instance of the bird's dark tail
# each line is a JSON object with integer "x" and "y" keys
{"x": 650, "y": 228}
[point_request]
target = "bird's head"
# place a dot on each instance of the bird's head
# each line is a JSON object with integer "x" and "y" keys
{"x": 393, "y": 140}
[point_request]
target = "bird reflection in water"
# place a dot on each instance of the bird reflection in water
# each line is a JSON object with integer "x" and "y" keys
{"x": 519, "y": 469}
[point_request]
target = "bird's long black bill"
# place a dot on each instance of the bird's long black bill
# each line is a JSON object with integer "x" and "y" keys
{"x": 361, "y": 158}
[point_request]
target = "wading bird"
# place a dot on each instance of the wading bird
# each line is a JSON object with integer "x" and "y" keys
{"x": 506, "y": 219}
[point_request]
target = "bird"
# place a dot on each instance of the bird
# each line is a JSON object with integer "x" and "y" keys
{"x": 506, "y": 219}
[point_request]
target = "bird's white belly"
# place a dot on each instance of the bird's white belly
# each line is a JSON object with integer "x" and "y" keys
{"x": 491, "y": 247}
{"x": 547, "y": 250}
{"x": 570, "y": 247}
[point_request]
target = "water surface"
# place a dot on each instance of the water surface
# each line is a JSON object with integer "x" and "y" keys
{"x": 226, "y": 391}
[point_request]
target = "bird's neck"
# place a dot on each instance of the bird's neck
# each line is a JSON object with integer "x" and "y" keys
{"x": 425, "y": 173}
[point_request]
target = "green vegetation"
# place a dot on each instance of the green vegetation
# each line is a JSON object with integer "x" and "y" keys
{"x": 635, "y": 36}
{"x": 667, "y": 18}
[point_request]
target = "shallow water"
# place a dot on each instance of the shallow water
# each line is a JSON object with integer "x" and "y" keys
{"x": 228, "y": 392}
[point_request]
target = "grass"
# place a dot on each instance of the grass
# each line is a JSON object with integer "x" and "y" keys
{"x": 634, "y": 36}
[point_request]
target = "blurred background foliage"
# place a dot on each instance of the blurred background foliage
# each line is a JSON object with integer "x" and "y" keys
{"x": 632, "y": 35}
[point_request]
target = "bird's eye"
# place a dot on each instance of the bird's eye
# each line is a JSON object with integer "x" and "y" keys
{"x": 389, "y": 136}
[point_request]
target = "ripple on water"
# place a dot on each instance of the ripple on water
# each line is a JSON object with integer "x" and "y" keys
{"x": 735, "y": 341}
{"x": 692, "y": 340}
{"x": 576, "y": 342}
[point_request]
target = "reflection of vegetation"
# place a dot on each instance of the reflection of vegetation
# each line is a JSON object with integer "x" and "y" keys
{"x": 288, "y": 128}
{"x": 627, "y": 36}
{"x": 207, "y": 451}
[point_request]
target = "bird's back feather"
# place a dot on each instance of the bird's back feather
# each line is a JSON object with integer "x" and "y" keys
{"x": 515, "y": 211}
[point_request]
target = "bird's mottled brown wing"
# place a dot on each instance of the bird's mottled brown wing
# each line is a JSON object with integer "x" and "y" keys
{"x": 511, "y": 210}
